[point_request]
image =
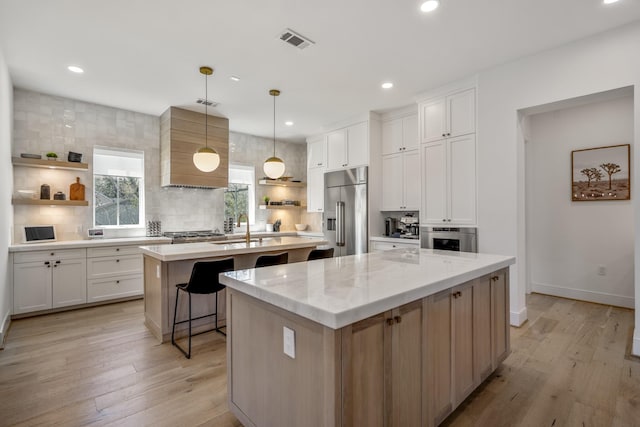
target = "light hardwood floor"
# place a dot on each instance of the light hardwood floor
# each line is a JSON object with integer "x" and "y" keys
{"x": 100, "y": 366}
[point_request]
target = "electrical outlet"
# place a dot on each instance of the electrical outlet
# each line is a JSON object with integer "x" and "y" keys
{"x": 602, "y": 270}
{"x": 289, "y": 342}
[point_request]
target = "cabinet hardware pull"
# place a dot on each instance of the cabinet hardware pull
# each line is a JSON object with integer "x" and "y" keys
{"x": 53, "y": 253}
{"x": 57, "y": 262}
{"x": 55, "y": 265}
{"x": 117, "y": 260}
{"x": 117, "y": 281}
{"x": 117, "y": 249}
{"x": 444, "y": 134}
{"x": 46, "y": 263}
{"x": 495, "y": 278}
{"x": 390, "y": 322}
{"x": 398, "y": 319}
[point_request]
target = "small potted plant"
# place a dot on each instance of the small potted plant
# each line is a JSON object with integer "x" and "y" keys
{"x": 52, "y": 156}
{"x": 266, "y": 200}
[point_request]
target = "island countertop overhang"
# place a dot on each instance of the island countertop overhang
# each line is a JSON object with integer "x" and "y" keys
{"x": 190, "y": 251}
{"x": 340, "y": 291}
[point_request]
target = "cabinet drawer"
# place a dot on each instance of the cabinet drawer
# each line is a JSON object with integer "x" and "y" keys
{"x": 377, "y": 246}
{"x": 112, "y": 251}
{"x": 33, "y": 256}
{"x": 117, "y": 287}
{"x": 113, "y": 266}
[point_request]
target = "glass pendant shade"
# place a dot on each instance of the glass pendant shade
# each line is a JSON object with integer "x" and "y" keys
{"x": 206, "y": 159}
{"x": 273, "y": 167}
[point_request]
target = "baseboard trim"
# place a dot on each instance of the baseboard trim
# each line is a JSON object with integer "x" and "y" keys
{"x": 4, "y": 328}
{"x": 583, "y": 295}
{"x": 635, "y": 348}
{"x": 517, "y": 318}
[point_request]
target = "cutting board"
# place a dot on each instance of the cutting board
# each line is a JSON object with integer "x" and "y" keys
{"x": 76, "y": 190}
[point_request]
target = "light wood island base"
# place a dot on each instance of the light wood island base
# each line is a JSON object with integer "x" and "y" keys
{"x": 161, "y": 277}
{"x": 409, "y": 366}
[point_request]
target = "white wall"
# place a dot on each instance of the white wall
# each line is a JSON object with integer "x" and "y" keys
{"x": 591, "y": 65}
{"x": 567, "y": 241}
{"x": 6, "y": 184}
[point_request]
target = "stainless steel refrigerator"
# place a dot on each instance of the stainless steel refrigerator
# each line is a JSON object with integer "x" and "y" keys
{"x": 345, "y": 211}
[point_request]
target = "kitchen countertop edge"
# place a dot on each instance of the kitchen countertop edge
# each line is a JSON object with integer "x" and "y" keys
{"x": 77, "y": 244}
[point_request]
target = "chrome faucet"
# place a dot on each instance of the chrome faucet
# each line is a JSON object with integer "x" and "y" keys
{"x": 247, "y": 237}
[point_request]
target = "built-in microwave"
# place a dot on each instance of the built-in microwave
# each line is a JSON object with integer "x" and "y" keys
{"x": 449, "y": 238}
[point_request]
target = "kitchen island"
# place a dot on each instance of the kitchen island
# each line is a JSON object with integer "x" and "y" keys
{"x": 167, "y": 265}
{"x": 398, "y": 338}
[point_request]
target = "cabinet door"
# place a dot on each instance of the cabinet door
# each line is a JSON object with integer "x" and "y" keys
{"x": 316, "y": 153}
{"x": 392, "y": 136}
{"x": 462, "y": 180}
{"x": 411, "y": 180}
{"x": 363, "y": 355}
{"x": 438, "y": 357}
{"x": 433, "y": 120}
{"x": 69, "y": 286}
{"x": 500, "y": 312}
{"x": 315, "y": 190}
{"x": 410, "y": 140}
{"x": 434, "y": 183}
{"x": 392, "y": 182}
{"x": 358, "y": 145}
{"x": 461, "y": 113}
{"x": 462, "y": 321}
{"x": 337, "y": 149}
{"x": 31, "y": 286}
{"x": 405, "y": 392}
{"x": 482, "y": 335}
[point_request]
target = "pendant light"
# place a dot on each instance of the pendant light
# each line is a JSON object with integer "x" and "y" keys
{"x": 206, "y": 159}
{"x": 274, "y": 166}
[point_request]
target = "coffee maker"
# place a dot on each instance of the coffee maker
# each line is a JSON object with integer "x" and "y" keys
{"x": 390, "y": 227}
{"x": 410, "y": 227}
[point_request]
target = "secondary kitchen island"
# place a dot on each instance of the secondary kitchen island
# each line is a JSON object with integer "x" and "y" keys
{"x": 395, "y": 338}
{"x": 167, "y": 265}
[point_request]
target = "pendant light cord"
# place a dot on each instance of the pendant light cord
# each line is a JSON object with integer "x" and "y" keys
{"x": 206, "y": 96}
{"x": 274, "y": 125}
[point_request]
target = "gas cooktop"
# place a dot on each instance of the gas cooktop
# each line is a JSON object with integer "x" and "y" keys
{"x": 193, "y": 236}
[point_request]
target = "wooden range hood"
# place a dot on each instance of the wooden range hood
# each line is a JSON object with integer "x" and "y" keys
{"x": 181, "y": 135}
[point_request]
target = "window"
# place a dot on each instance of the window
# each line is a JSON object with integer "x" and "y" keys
{"x": 240, "y": 195}
{"x": 118, "y": 182}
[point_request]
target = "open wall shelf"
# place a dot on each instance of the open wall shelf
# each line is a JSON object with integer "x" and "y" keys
{"x": 48, "y": 164}
{"x": 40, "y": 202}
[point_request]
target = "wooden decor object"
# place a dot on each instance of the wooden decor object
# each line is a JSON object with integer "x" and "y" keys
{"x": 76, "y": 190}
{"x": 181, "y": 135}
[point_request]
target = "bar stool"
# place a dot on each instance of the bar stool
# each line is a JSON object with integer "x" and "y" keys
{"x": 203, "y": 281}
{"x": 272, "y": 259}
{"x": 320, "y": 254}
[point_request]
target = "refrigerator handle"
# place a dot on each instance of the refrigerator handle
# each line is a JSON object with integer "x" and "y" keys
{"x": 339, "y": 223}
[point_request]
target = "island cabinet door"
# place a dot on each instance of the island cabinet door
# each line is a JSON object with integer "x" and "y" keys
{"x": 462, "y": 320}
{"x": 500, "y": 312}
{"x": 483, "y": 359}
{"x": 382, "y": 369}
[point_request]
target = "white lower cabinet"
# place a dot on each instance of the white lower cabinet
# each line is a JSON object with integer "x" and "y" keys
{"x": 378, "y": 246}
{"x": 49, "y": 279}
{"x": 114, "y": 272}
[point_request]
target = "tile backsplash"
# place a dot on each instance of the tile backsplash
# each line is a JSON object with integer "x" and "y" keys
{"x": 44, "y": 123}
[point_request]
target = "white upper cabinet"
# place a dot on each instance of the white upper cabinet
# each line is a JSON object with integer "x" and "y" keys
{"x": 449, "y": 116}
{"x": 316, "y": 152}
{"x": 449, "y": 182}
{"x": 401, "y": 182}
{"x": 400, "y": 134}
{"x": 348, "y": 147}
{"x": 315, "y": 189}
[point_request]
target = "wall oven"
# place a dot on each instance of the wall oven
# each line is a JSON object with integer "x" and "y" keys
{"x": 449, "y": 239}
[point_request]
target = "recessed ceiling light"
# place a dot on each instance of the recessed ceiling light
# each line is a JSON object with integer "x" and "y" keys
{"x": 235, "y": 78}
{"x": 288, "y": 123}
{"x": 429, "y": 5}
{"x": 75, "y": 69}
{"x": 387, "y": 85}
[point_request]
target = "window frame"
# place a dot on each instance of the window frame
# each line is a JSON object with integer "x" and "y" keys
{"x": 251, "y": 196}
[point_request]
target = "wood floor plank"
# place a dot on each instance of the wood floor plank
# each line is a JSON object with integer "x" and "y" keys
{"x": 102, "y": 367}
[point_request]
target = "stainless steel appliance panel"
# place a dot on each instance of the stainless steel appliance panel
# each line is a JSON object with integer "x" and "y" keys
{"x": 345, "y": 225}
{"x": 449, "y": 239}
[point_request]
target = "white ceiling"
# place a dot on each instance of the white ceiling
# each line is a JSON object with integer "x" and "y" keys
{"x": 144, "y": 55}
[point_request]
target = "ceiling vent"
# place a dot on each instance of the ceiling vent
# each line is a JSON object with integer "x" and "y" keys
{"x": 207, "y": 102}
{"x": 294, "y": 39}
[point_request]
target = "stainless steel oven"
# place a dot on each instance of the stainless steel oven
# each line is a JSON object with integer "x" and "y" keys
{"x": 449, "y": 238}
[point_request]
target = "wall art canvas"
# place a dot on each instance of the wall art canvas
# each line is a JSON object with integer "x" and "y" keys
{"x": 601, "y": 173}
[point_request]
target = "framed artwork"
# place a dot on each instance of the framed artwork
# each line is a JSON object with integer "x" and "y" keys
{"x": 602, "y": 173}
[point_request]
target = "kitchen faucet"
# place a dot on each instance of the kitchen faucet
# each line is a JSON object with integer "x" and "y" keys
{"x": 247, "y": 237}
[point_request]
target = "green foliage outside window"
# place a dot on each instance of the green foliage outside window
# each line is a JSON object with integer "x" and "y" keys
{"x": 236, "y": 200}
{"x": 117, "y": 200}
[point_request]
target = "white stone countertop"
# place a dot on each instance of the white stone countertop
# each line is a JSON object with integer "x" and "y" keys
{"x": 336, "y": 292}
{"x": 395, "y": 240}
{"x": 220, "y": 248}
{"x": 89, "y": 243}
